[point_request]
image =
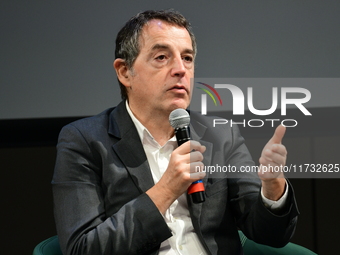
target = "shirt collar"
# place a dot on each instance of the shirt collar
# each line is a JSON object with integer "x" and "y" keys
{"x": 139, "y": 126}
{"x": 143, "y": 132}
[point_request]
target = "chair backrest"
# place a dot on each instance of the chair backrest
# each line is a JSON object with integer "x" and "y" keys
{"x": 252, "y": 248}
{"x": 49, "y": 246}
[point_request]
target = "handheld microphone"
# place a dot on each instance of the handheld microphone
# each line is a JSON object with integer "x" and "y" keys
{"x": 180, "y": 120}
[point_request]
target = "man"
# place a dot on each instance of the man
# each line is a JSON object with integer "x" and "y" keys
{"x": 120, "y": 179}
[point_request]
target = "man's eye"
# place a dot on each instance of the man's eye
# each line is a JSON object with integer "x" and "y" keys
{"x": 161, "y": 57}
{"x": 188, "y": 58}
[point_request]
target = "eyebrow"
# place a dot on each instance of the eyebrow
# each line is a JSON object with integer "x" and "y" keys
{"x": 158, "y": 46}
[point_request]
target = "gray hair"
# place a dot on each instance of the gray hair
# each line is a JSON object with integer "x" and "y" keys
{"x": 127, "y": 41}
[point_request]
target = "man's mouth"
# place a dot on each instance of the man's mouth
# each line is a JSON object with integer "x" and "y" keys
{"x": 179, "y": 89}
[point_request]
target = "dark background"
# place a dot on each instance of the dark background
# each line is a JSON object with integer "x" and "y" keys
{"x": 56, "y": 66}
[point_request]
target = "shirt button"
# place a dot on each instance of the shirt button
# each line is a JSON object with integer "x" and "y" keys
{"x": 180, "y": 247}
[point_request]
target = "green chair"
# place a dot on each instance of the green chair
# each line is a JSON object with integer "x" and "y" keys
{"x": 51, "y": 246}
{"x": 252, "y": 248}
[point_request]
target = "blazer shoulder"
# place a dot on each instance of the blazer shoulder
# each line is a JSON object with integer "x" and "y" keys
{"x": 90, "y": 125}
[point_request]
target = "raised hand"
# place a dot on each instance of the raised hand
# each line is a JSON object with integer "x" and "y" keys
{"x": 273, "y": 158}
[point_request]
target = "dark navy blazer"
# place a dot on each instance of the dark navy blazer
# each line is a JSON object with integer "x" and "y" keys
{"x": 102, "y": 174}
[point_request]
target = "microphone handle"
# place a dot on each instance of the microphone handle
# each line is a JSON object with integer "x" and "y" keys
{"x": 182, "y": 135}
{"x": 196, "y": 189}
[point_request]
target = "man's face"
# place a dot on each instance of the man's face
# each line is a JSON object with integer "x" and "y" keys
{"x": 161, "y": 73}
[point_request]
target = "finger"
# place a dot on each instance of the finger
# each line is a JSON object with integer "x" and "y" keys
{"x": 278, "y": 134}
{"x": 197, "y": 176}
{"x": 275, "y": 160}
{"x": 265, "y": 174}
{"x": 279, "y": 149}
{"x": 270, "y": 168}
{"x": 196, "y": 167}
{"x": 272, "y": 157}
{"x": 275, "y": 148}
{"x": 196, "y": 156}
{"x": 196, "y": 146}
{"x": 265, "y": 161}
{"x": 202, "y": 149}
{"x": 189, "y": 146}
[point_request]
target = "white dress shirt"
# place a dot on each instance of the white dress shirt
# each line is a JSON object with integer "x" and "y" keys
{"x": 184, "y": 240}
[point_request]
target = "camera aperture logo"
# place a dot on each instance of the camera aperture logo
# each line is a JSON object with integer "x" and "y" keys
{"x": 238, "y": 102}
{"x": 204, "y": 96}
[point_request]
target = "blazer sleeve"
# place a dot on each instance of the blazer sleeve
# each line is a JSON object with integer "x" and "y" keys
{"x": 253, "y": 218}
{"x": 83, "y": 225}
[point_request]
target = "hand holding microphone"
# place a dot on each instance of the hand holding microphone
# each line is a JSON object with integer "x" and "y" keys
{"x": 180, "y": 120}
{"x": 180, "y": 175}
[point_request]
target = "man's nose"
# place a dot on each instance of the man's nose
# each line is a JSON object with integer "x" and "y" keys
{"x": 178, "y": 67}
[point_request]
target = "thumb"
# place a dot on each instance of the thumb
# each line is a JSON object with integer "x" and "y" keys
{"x": 278, "y": 134}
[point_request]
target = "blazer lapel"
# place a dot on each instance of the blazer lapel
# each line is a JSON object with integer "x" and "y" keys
{"x": 130, "y": 151}
{"x": 129, "y": 148}
{"x": 197, "y": 131}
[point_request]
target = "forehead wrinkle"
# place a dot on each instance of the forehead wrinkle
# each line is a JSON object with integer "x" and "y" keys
{"x": 159, "y": 46}
{"x": 163, "y": 26}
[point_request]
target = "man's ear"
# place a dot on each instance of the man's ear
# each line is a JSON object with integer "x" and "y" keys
{"x": 122, "y": 71}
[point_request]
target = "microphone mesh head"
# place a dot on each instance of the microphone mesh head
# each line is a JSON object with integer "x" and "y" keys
{"x": 179, "y": 118}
